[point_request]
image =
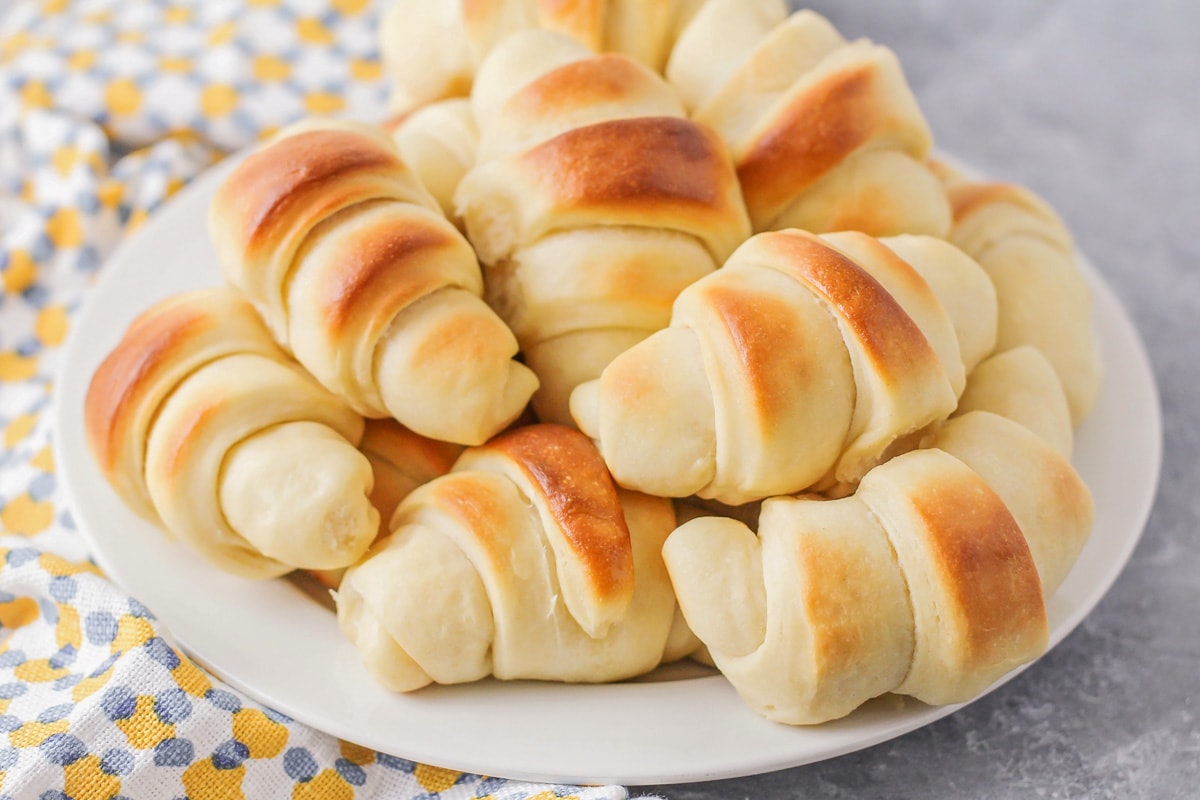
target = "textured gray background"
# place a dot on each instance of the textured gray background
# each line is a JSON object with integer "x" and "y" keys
{"x": 1095, "y": 105}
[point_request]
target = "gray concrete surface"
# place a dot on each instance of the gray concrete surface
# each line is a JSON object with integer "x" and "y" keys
{"x": 1096, "y": 105}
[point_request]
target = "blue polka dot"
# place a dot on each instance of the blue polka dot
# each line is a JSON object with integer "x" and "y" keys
{"x": 393, "y": 762}
{"x": 7, "y": 597}
{"x": 161, "y": 652}
{"x": 64, "y": 657}
{"x": 117, "y": 762}
{"x": 66, "y": 682}
{"x": 55, "y": 713}
{"x": 12, "y": 658}
{"x": 63, "y": 588}
{"x": 100, "y": 627}
{"x": 40, "y": 488}
{"x": 49, "y": 609}
{"x": 63, "y": 749}
{"x": 88, "y": 258}
{"x": 173, "y": 753}
{"x": 87, "y": 202}
{"x": 275, "y": 716}
{"x": 68, "y": 522}
{"x": 21, "y": 556}
{"x": 118, "y": 703}
{"x": 351, "y": 773}
{"x": 9, "y": 756}
{"x": 226, "y": 701}
{"x": 299, "y": 764}
{"x": 104, "y": 665}
{"x": 9, "y": 723}
{"x": 138, "y": 610}
{"x": 230, "y": 754}
{"x": 172, "y": 706}
{"x": 10, "y": 690}
{"x": 53, "y": 794}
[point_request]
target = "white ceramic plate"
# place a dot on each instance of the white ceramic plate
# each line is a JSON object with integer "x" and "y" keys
{"x": 282, "y": 648}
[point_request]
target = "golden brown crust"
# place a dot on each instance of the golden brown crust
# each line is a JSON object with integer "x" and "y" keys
{"x": 583, "y": 20}
{"x": 581, "y": 496}
{"x": 638, "y": 169}
{"x": 994, "y": 583}
{"x": 579, "y": 84}
{"x": 890, "y": 337}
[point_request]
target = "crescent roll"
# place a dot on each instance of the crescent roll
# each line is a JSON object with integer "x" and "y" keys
{"x": 802, "y": 363}
{"x": 204, "y": 427}
{"x": 593, "y": 204}
{"x": 526, "y": 561}
{"x": 825, "y": 133}
{"x": 358, "y": 273}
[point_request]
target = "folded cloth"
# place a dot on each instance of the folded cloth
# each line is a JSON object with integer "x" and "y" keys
{"x": 106, "y": 108}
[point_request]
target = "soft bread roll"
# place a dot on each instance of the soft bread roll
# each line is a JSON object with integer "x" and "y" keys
{"x": 1044, "y": 298}
{"x": 920, "y": 583}
{"x": 400, "y": 462}
{"x": 597, "y": 206}
{"x": 438, "y": 142}
{"x": 826, "y": 134}
{"x": 801, "y": 363}
{"x": 355, "y": 270}
{"x": 524, "y": 562}
{"x": 206, "y": 428}
{"x": 431, "y": 49}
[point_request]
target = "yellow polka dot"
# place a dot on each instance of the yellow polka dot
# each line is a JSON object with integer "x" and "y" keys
{"x": 174, "y": 185}
{"x": 19, "y": 612}
{"x": 177, "y": 15}
{"x": 222, "y": 34}
{"x": 327, "y": 785}
{"x": 64, "y": 228}
{"x": 110, "y": 193}
{"x": 89, "y": 686}
{"x": 53, "y": 6}
{"x": 323, "y": 103}
{"x": 44, "y": 460}
{"x": 57, "y": 565}
{"x": 5, "y": 702}
{"x": 436, "y": 779}
{"x": 312, "y": 31}
{"x": 26, "y": 516}
{"x": 28, "y": 190}
{"x": 13, "y": 45}
{"x": 85, "y": 778}
{"x": 122, "y": 97}
{"x": 20, "y": 273}
{"x": 547, "y": 795}
{"x": 271, "y": 68}
{"x": 143, "y": 728}
{"x": 175, "y": 64}
{"x": 35, "y": 95}
{"x": 19, "y": 428}
{"x": 51, "y": 325}
{"x": 191, "y": 678}
{"x": 218, "y": 100}
{"x": 64, "y": 160}
{"x": 67, "y": 631}
{"x": 136, "y": 219}
{"x": 81, "y": 60}
{"x": 131, "y": 632}
{"x": 267, "y": 132}
{"x": 356, "y": 753}
{"x": 131, "y": 37}
{"x": 362, "y": 69}
{"x": 96, "y": 17}
{"x": 32, "y": 734}
{"x": 39, "y": 671}
{"x": 349, "y": 6}
{"x": 264, "y": 3}
{"x": 258, "y": 732}
{"x": 203, "y": 781}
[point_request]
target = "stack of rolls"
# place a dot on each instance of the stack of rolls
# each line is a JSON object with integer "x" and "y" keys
{"x": 641, "y": 331}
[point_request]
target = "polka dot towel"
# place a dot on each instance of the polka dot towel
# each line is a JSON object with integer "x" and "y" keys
{"x": 106, "y": 108}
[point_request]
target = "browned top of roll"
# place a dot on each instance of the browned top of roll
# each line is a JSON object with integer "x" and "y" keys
{"x": 648, "y": 171}
{"x": 581, "y": 496}
{"x": 581, "y": 84}
{"x": 266, "y": 189}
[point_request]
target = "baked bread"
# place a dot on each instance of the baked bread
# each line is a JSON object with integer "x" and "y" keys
{"x": 524, "y": 562}
{"x": 438, "y": 142}
{"x": 1043, "y": 297}
{"x": 204, "y": 427}
{"x": 590, "y": 209}
{"x": 825, "y": 133}
{"x": 802, "y": 363}
{"x": 432, "y": 48}
{"x": 357, "y": 272}
{"x": 400, "y": 462}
